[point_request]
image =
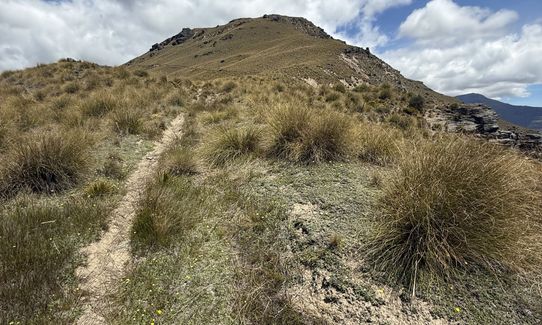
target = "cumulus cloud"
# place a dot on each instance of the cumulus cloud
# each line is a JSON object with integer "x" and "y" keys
{"x": 457, "y": 50}
{"x": 444, "y": 20}
{"x": 368, "y": 33}
{"x": 114, "y": 31}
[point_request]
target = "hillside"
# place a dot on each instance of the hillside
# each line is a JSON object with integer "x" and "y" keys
{"x": 300, "y": 181}
{"x": 525, "y": 116}
{"x": 273, "y": 46}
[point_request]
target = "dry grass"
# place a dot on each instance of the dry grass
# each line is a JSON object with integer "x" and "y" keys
{"x": 46, "y": 162}
{"x": 178, "y": 161}
{"x": 99, "y": 104}
{"x": 38, "y": 249}
{"x": 170, "y": 208}
{"x": 127, "y": 120}
{"x": 378, "y": 144}
{"x": 455, "y": 202}
{"x": 305, "y": 135}
{"x": 228, "y": 144}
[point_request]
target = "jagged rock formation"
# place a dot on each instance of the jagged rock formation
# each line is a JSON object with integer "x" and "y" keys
{"x": 482, "y": 120}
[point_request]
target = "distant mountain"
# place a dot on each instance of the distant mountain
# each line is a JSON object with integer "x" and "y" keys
{"x": 526, "y": 116}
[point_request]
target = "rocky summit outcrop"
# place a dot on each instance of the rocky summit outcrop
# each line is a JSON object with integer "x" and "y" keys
{"x": 301, "y": 24}
{"x": 183, "y": 36}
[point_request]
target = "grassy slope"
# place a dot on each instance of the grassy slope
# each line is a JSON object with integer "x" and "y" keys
{"x": 279, "y": 242}
{"x": 42, "y": 232}
{"x": 275, "y": 49}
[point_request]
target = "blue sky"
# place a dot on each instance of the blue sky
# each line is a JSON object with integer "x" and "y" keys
{"x": 529, "y": 12}
{"x": 493, "y": 47}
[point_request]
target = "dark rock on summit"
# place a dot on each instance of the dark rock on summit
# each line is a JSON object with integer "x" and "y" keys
{"x": 301, "y": 24}
{"x": 183, "y": 36}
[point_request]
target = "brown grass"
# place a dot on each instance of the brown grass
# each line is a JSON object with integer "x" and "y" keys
{"x": 46, "y": 162}
{"x": 454, "y": 203}
{"x": 306, "y": 135}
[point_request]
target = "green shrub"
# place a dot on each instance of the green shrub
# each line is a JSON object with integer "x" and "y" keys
{"x": 228, "y": 144}
{"x": 417, "y": 102}
{"x": 453, "y": 203}
{"x": 45, "y": 162}
{"x": 340, "y": 88}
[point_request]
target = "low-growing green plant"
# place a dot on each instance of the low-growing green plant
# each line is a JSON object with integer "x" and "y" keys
{"x": 38, "y": 250}
{"x": 112, "y": 168}
{"x": 100, "y": 187}
{"x": 455, "y": 203}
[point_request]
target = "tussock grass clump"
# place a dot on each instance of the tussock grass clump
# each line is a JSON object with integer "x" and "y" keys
{"x": 100, "y": 187}
{"x": 303, "y": 135}
{"x": 229, "y": 86}
{"x": 45, "y": 162}
{"x": 99, "y": 104}
{"x": 127, "y": 121}
{"x": 456, "y": 202}
{"x": 378, "y": 144}
{"x": 228, "y": 144}
{"x": 178, "y": 161}
{"x": 171, "y": 207}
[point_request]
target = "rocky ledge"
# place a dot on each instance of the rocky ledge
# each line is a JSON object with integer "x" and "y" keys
{"x": 483, "y": 121}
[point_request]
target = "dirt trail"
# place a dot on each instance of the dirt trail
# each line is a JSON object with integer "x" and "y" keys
{"x": 108, "y": 257}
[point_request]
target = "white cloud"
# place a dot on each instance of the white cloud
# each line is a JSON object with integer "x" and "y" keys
{"x": 114, "y": 31}
{"x": 457, "y": 50}
{"x": 444, "y": 20}
{"x": 369, "y": 34}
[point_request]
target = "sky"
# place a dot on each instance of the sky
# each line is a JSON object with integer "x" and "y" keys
{"x": 492, "y": 47}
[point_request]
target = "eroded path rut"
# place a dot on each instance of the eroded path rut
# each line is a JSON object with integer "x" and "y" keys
{"x": 107, "y": 258}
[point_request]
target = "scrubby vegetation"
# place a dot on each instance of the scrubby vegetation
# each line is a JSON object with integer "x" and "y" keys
{"x": 454, "y": 204}
{"x": 280, "y": 201}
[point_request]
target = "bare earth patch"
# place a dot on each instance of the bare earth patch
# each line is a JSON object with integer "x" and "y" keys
{"x": 108, "y": 258}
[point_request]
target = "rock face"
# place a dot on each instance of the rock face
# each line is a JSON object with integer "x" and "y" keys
{"x": 183, "y": 36}
{"x": 483, "y": 121}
